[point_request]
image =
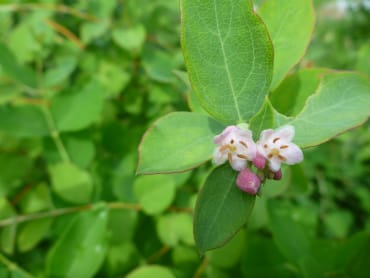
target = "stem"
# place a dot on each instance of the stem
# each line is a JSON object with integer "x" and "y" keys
{"x": 201, "y": 268}
{"x": 57, "y": 8}
{"x": 62, "y": 211}
{"x": 12, "y": 266}
{"x": 55, "y": 135}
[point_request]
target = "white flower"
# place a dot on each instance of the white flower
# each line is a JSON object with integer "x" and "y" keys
{"x": 236, "y": 145}
{"x": 277, "y": 148}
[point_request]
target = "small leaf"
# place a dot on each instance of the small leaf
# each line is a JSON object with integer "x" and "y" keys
{"x": 282, "y": 18}
{"x": 77, "y": 109}
{"x": 228, "y": 54}
{"x": 150, "y": 271}
{"x": 131, "y": 39}
{"x": 71, "y": 183}
{"x": 341, "y": 103}
{"x": 16, "y": 71}
{"x": 177, "y": 142}
{"x": 32, "y": 233}
{"x": 81, "y": 249}
{"x": 155, "y": 192}
{"x": 23, "y": 121}
{"x": 175, "y": 227}
{"x": 221, "y": 209}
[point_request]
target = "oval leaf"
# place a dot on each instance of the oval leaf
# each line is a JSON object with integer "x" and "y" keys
{"x": 177, "y": 142}
{"x": 221, "y": 209}
{"x": 341, "y": 103}
{"x": 282, "y": 18}
{"x": 81, "y": 249}
{"x": 228, "y": 54}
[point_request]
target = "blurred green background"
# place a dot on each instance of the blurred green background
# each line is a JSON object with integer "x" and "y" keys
{"x": 81, "y": 81}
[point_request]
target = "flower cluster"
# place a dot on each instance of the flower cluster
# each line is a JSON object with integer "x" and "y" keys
{"x": 236, "y": 145}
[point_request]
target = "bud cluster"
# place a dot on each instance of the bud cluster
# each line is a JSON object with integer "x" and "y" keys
{"x": 274, "y": 147}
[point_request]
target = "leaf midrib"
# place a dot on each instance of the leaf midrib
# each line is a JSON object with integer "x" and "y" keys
{"x": 226, "y": 64}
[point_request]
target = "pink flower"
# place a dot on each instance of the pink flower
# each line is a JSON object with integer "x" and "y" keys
{"x": 236, "y": 145}
{"x": 277, "y": 148}
{"x": 248, "y": 181}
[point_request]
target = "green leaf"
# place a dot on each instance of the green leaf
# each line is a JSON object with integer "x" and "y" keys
{"x": 221, "y": 209}
{"x": 291, "y": 95}
{"x": 290, "y": 24}
{"x": 175, "y": 227}
{"x": 131, "y": 39}
{"x": 177, "y": 142}
{"x": 341, "y": 103}
{"x": 71, "y": 183}
{"x": 32, "y": 233}
{"x": 264, "y": 119}
{"x": 81, "y": 249}
{"x": 23, "y": 121}
{"x": 155, "y": 192}
{"x": 16, "y": 71}
{"x": 151, "y": 271}
{"x": 228, "y": 54}
{"x": 60, "y": 72}
{"x": 292, "y": 239}
{"x": 78, "y": 109}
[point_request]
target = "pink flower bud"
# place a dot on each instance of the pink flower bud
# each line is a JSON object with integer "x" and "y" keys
{"x": 248, "y": 181}
{"x": 259, "y": 161}
{"x": 278, "y": 175}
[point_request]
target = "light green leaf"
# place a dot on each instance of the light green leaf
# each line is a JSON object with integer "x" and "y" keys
{"x": 291, "y": 95}
{"x": 221, "y": 209}
{"x": 71, "y": 183}
{"x": 15, "y": 70}
{"x": 78, "y": 109}
{"x": 32, "y": 233}
{"x": 131, "y": 39}
{"x": 228, "y": 54}
{"x": 341, "y": 103}
{"x": 81, "y": 249}
{"x": 23, "y": 121}
{"x": 151, "y": 271}
{"x": 155, "y": 192}
{"x": 60, "y": 72}
{"x": 175, "y": 227}
{"x": 290, "y": 24}
{"x": 177, "y": 142}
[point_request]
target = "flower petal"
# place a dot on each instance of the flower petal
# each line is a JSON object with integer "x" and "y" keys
{"x": 218, "y": 139}
{"x": 219, "y": 157}
{"x": 265, "y": 135}
{"x": 285, "y": 133}
{"x": 275, "y": 164}
{"x": 293, "y": 154}
{"x": 238, "y": 164}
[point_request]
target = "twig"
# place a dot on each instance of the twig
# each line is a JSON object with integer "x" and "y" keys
{"x": 201, "y": 268}
{"x": 158, "y": 254}
{"x": 62, "y": 211}
{"x": 12, "y": 266}
{"x": 65, "y": 32}
{"x": 39, "y": 6}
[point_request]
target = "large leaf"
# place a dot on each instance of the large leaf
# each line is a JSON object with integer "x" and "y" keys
{"x": 264, "y": 119}
{"x": 81, "y": 249}
{"x": 228, "y": 54}
{"x": 341, "y": 103}
{"x": 177, "y": 142}
{"x": 283, "y": 18}
{"x": 221, "y": 209}
{"x": 23, "y": 121}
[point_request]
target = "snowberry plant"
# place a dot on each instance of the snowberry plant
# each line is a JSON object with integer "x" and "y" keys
{"x": 252, "y": 109}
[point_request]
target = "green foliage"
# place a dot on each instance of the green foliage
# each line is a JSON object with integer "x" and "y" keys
{"x": 82, "y": 81}
{"x": 218, "y": 39}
